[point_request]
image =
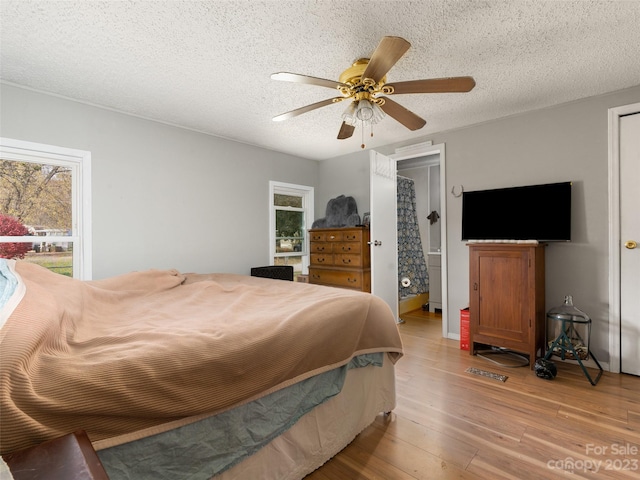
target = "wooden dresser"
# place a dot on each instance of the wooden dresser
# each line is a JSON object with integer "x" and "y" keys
{"x": 340, "y": 257}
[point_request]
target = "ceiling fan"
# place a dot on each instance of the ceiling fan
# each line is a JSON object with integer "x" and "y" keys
{"x": 364, "y": 83}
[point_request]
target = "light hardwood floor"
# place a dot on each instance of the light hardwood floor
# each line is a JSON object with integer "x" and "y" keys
{"x": 451, "y": 424}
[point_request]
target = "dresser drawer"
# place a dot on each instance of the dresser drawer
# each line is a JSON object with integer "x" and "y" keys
{"x": 347, "y": 247}
{"x": 318, "y": 236}
{"x": 347, "y": 260}
{"x": 321, "y": 247}
{"x": 352, "y": 236}
{"x": 322, "y": 259}
{"x": 360, "y": 280}
{"x": 329, "y": 236}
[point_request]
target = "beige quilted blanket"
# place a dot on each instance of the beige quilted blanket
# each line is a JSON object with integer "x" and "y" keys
{"x": 139, "y": 350}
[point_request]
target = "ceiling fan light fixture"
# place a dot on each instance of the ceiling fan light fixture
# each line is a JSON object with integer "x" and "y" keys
{"x": 378, "y": 113}
{"x": 349, "y": 115}
{"x": 364, "y": 112}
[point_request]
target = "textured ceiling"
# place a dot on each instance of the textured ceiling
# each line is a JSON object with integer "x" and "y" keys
{"x": 206, "y": 65}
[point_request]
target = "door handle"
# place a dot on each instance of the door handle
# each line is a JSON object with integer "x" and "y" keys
{"x": 630, "y": 244}
{"x": 375, "y": 243}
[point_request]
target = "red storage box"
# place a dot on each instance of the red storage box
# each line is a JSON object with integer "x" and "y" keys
{"x": 464, "y": 329}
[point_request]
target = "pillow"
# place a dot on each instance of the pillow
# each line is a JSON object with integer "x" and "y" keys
{"x": 11, "y": 289}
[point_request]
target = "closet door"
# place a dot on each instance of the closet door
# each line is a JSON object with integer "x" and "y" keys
{"x": 630, "y": 251}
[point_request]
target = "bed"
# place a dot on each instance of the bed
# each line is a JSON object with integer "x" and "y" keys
{"x": 192, "y": 376}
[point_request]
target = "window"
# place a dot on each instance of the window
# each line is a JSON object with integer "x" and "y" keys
{"x": 45, "y": 206}
{"x": 291, "y": 208}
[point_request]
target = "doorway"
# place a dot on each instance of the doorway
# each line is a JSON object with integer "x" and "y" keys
{"x": 384, "y": 267}
{"x": 419, "y": 178}
{"x": 624, "y": 233}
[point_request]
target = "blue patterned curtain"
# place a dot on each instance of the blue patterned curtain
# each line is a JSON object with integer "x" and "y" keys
{"x": 411, "y": 262}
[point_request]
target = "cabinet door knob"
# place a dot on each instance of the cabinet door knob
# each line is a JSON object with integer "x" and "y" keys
{"x": 475, "y": 286}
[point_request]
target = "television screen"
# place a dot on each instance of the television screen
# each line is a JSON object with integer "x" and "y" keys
{"x": 533, "y": 212}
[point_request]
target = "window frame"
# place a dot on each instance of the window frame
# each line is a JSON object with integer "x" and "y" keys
{"x": 79, "y": 161}
{"x": 307, "y": 194}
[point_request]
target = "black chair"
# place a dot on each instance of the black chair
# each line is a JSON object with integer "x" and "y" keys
{"x": 279, "y": 272}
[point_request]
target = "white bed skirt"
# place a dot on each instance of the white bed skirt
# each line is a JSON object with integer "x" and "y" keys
{"x": 324, "y": 431}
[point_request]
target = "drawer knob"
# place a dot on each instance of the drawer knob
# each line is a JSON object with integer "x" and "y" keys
{"x": 351, "y": 280}
{"x": 346, "y": 260}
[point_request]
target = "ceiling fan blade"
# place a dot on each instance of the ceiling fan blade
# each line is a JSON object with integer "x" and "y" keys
{"x": 434, "y": 85}
{"x": 346, "y": 131}
{"x": 388, "y": 52}
{"x": 402, "y": 115}
{"x": 308, "y": 108}
{"x": 307, "y": 80}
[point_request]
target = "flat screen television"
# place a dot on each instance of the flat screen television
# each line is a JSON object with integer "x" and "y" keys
{"x": 532, "y": 212}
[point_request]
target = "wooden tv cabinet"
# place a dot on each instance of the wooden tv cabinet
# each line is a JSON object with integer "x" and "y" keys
{"x": 506, "y": 297}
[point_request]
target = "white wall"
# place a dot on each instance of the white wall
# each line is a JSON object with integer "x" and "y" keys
{"x": 567, "y": 142}
{"x": 343, "y": 176}
{"x": 163, "y": 197}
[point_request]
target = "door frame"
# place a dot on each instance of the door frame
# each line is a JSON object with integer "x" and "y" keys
{"x": 614, "y": 232}
{"x": 422, "y": 150}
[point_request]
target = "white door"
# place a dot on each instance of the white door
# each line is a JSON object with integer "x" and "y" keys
{"x": 630, "y": 249}
{"x": 384, "y": 231}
